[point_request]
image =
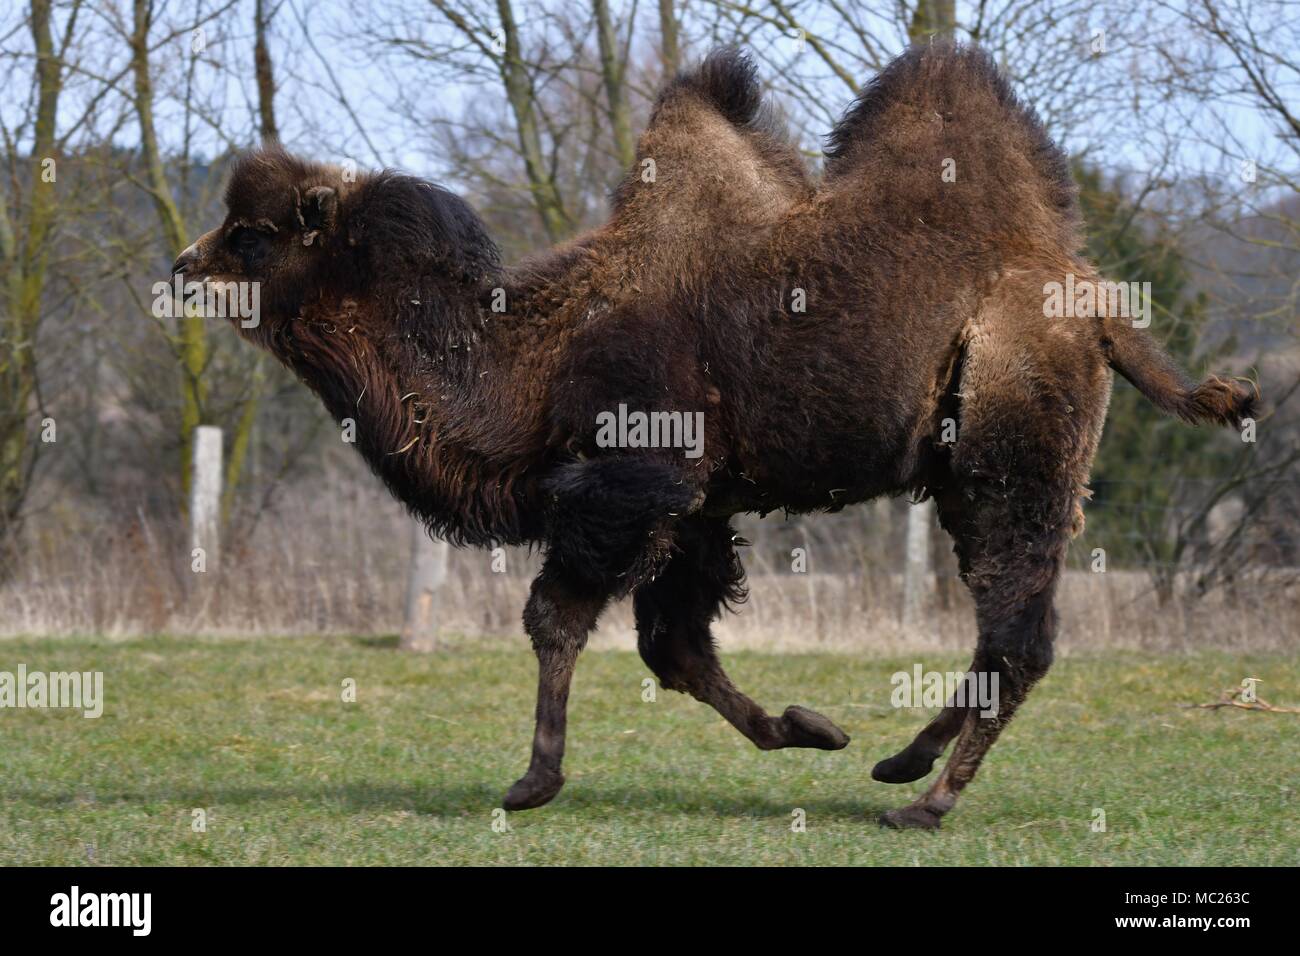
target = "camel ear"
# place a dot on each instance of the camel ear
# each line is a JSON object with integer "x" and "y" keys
{"x": 317, "y": 211}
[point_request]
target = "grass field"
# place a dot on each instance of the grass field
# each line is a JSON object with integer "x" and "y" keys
{"x": 255, "y": 733}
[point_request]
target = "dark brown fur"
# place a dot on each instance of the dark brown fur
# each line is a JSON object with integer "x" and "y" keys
{"x": 924, "y": 302}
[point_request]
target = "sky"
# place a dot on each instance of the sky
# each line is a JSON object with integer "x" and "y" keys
{"x": 337, "y": 90}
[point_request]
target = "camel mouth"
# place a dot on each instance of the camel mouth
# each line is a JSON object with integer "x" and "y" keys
{"x": 212, "y": 297}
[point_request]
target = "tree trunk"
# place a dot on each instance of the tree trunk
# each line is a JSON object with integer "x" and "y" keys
{"x": 429, "y": 560}
{"x": 918, "y": 578}
{"x": 242, "y": 439}
{"x": 264, "y": 73}
{"x": 25, "y": 256}
{"x": 669, "y": 53}
{"x": 933, "y": 18}
{"x": 520, "y": 94}
{"x": 192, "y": 346}
{"x": 613, "y": 72}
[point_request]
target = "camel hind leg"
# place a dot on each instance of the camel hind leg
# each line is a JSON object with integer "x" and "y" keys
{"x": 917, "y": 759}
{"x": 1017, "y": 625}
{"x": 1029, "y": 423}
{"x": 1017, "y": 538}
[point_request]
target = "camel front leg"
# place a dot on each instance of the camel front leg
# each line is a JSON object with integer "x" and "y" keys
{"x": 561, "y": 612}
{"x": 673, "y": 617}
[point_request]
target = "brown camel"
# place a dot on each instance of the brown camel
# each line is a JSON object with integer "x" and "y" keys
{"x": 821, "y": 331}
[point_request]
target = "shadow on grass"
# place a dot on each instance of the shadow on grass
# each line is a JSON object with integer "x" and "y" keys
{"x": 383, "y": 642}
{"x": 464, "y": 800}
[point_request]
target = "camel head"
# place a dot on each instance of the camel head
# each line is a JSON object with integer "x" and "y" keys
{"x": 307, "y": 235}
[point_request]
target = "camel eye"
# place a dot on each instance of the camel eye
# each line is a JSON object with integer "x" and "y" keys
{"x": 248, "y": 242}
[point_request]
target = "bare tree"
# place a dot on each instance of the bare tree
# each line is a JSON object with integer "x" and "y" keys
{"x": 192, "y": 343}
{"x": 27, "y": 222}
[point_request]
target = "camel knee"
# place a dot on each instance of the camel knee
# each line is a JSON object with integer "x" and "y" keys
{"x": 560, "y": 614}
{"x": 671, "y": 661}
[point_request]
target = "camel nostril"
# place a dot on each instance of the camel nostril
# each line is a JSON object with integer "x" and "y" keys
{"x": 184, "y": 261}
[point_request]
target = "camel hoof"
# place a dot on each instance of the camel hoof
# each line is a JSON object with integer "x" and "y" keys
{"x": 904, "y": 767}
{"x": 807, "y": 728}
{"x": 911, "y": 818}
{"x": 533, "y": 790}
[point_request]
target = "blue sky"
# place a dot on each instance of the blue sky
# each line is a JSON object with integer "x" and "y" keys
{"x": 323, "y": 61}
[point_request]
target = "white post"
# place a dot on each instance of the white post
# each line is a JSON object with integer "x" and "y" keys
{"x": 918, "y": 580}
{"x": 423, "y": 590}
{"x": 205, "y": 495}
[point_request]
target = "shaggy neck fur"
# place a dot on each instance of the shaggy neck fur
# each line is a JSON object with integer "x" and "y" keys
{"x": 429, "y": 373}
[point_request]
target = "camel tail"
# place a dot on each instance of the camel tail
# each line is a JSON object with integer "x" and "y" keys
{"x": 1153, "y": 372}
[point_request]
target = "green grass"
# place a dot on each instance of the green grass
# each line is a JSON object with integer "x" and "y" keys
{"x": 255, "y": 733}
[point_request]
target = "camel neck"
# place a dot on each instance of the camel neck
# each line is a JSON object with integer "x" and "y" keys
{"x": 434, "y": 401}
